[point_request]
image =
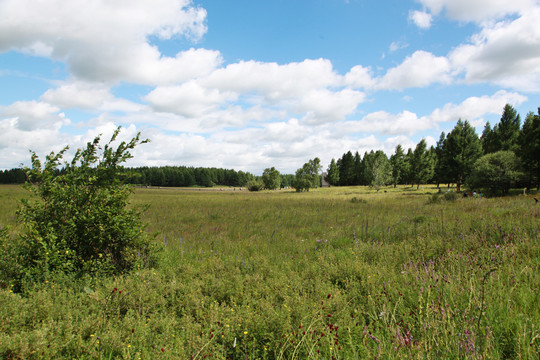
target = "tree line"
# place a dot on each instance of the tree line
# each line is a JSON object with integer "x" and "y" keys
{"x": 505, "y": 156}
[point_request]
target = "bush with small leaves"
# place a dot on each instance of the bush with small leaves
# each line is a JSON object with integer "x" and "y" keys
{"x": 255, "y": 185}
{"x": 79, "y": 220}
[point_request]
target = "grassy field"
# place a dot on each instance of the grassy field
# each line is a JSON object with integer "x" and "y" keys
{"x": 340, "y": 273}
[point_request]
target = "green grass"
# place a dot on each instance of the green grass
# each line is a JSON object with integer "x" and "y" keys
{"x": 341, "y": 272}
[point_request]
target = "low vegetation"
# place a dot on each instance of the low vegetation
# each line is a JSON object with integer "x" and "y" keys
{"x": 339, "y": 273}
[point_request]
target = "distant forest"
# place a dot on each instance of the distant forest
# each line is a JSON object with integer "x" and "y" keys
{"x": 503, "y": 156}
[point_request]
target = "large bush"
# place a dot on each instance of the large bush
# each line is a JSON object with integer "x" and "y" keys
{"x": 79, "y": 220}
{"x": 496, "y": 173}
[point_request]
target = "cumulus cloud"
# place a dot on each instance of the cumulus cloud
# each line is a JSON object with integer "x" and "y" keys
{"x": 189, "y": 99}
{"x": 78, "y": 95}
{"x": 321, "y": 106}
{"x": 505, "y": 53}
{"x": 108, "y": 40}
{"x": 360, "y": 77}
{"x": 386, "y": 123}
{"x": 273, "y": 81}
{"x": 477, "y": 10}
{"x": 30, "y": 115}
{"x": 475, "y": 108}
{"x": 422, "y": 19}
{"x": 421, "y": 69}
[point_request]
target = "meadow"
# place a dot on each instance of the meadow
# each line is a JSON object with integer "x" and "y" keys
{"x": 334, "y": 273}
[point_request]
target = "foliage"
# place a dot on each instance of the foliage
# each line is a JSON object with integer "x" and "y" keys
{"x": 451, "y": 196}
{"x": 182, "y": 176}
{"x": 78, "y": 221}
{"x": 377, "y": 169}
{"x": 529, "y": 142}
{"x": 422, "y": 164}
{"x": 496, "y": 173}
{"x": 255, "y": 185}
{"x": 504, "y": 135}
{"x": 332, "y": 174}
{"x": 12, "y": 176}
{"x": 462, "y": 148}
{"x": 271, "y": 178}
{"x": 244, "y": 275}
{"x": 307, "y": 176}
{"x": 397, "y": 161}
{"x": 346, "y": 168}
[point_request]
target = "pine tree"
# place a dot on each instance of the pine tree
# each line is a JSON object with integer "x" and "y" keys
{"x": 332, "y": 174}
{"x": 397, "y": 160}
{"x": 507, "y": 131}
{"x": 489, "y": 143}
{"x": 441, "y": 167}
{"x": 346, "y": 169}
{"x": 423, "y": 164}
{"x": 529, "y": 148}
{"x": 462, "y": 149}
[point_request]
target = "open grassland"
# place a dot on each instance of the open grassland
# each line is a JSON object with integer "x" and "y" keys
{"x": 340, "y": 273}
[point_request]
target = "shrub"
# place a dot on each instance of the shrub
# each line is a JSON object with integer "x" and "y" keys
{"x": 255, "y": 185}
{"x": 356, "y": 200}
{"x": 451, "y": 196}
{"x": 78, "y": 221}
{"x": 434, "y": 199}
{"x": 496, "y": 173}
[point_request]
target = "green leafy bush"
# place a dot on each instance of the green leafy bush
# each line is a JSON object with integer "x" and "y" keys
{"x": 434, "y": 199}
{"x": 496, "y": 173}
{"x": 79, "y": 220}
{"x": 255, "y": 185}
{"x": 451, "y": 196}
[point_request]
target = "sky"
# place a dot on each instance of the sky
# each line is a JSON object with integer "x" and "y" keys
{"x": 247, "y": 85}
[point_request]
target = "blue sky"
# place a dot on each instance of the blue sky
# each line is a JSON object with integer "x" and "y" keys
{"x": 249, "y": 84}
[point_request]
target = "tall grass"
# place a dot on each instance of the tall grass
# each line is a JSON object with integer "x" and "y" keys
{"x": 334, "y": 273}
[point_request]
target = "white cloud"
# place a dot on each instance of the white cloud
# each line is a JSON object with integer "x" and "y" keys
{"x": 78, "y": 95}
{"x": 383, "y": 122}
{"x": 421, "y": 69}
{"x": 422, "y": 19}
{"x": 321, "y": 106}
{"x": 108, "y": 40}
{"x": 477, "y": 10}
{"x": 360, "y": 77}
{"x": 398, "y": 45}
{"x": 505, "y": 53}
{"x": 189, "y": 99}
{"x": 275, "y": 82}
{"x": 30, "y": 115}
{"x": 475, "y": 108}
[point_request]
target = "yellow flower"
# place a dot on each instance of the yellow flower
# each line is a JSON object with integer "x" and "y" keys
{"x": 245, "y": 332}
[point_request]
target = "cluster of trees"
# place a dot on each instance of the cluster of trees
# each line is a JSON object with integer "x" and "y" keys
{"x": 186, "y": 176}
{"x": 12, "y": 176}
{"x": 376, "y": 169}
{"x": 504, "y": 156}
{"x": 305, "y": 178}
{"x": 159, "y": 176}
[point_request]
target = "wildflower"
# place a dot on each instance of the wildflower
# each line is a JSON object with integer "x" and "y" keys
{"x": 245, "y": 332}
{"x": 329, "y": 296}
